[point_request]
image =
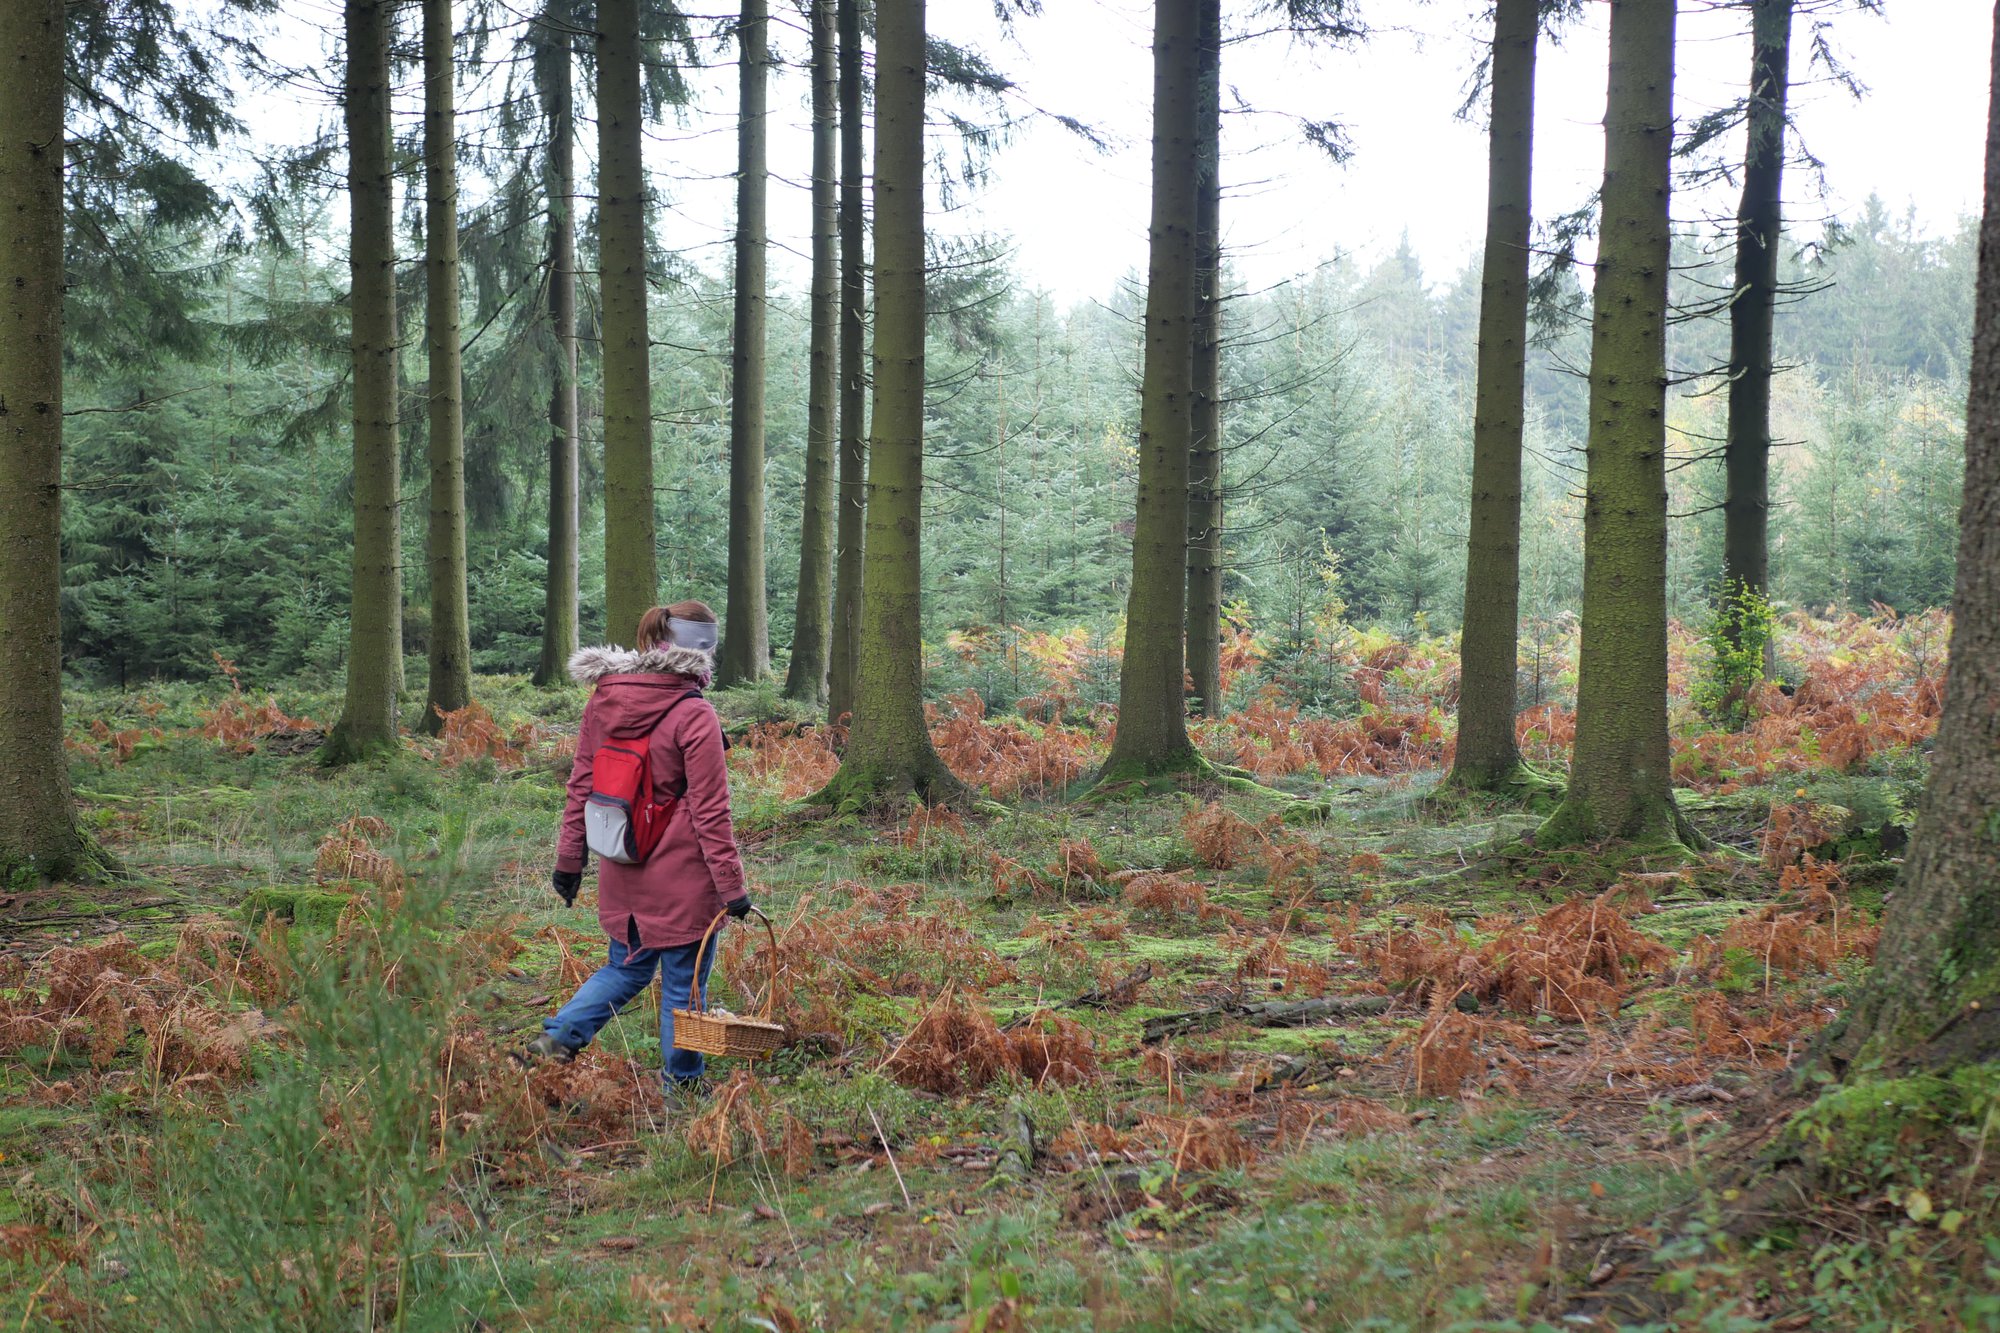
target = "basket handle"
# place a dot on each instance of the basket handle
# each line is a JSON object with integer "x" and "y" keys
{"x": 695, "y": 997}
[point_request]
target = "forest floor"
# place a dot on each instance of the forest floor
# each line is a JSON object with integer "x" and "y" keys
{"x": 1197, "y": 1060}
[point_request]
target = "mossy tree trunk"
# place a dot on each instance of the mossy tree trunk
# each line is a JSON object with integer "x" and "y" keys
{"x": 851, "y": 497}
{"x": 1746, "y": 504}
{"x": 554, "y": 71}
{"x": 746, "y": 630}
{"x": 1934, "y": 997}
{"x": 805, "y": 677}
{"x": 1487, "y": 755}
{"x": 1152, "y": 711}
{"x": 1620, "y": 781}
{"x": 631, "y": 558}
{"x": 889, "y": 753}
{"x": 1204, "y": 517}
{"x": 375, "y": 650}
{"x": 38, "y": 832}
{"x": 451, "y": 629}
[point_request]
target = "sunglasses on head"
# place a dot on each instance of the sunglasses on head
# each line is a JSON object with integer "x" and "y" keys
{"x": 699, "y": 634}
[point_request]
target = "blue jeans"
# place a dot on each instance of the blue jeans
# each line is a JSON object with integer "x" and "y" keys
{"x": 614, "y": 985}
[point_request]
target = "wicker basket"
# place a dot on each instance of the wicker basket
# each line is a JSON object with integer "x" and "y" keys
{"x": 696, "y": 1029}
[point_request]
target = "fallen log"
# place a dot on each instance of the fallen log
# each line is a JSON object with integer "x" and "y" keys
{"x": 1268, "y": 1014}
{"x": 1118, "y": 994}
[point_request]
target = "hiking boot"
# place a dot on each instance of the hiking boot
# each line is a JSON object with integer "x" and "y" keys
{"x": 546, "y": 1047}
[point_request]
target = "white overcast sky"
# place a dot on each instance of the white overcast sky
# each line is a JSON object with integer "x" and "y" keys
{"x": 1077, "y": 217}
{"x": 1916, "y": 139}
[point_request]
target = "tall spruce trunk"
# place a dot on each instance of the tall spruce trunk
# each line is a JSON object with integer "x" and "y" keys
{"x": 38, "y": 832}
{"x": 889, "y": 753}
{"x": 1487, "y": 755}
{"x": 451, "y": 628}
{"x": 1934, "y": 997}
{"x": 811, "y": 625}
{"x": 631, "y": 557}
{"x": 746, "y": 630}
{"x": 1620, "y": 783}
{"x": 1152, "y": 710}
{"x": 1204, "y": 518}
{"x": 1746, "y": 503}
{"x": 375, "y": 648}
{"x": 555, "y": 59}
{"x": 851, "y": 498}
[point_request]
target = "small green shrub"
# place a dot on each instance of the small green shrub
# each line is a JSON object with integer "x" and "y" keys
{"x": 324, "y": 1198}
{"x": 1737, "y": 636}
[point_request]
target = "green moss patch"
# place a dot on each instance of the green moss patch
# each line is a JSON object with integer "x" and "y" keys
{"x": 313, "y": 908}
{"x": 1878, "y": 1126}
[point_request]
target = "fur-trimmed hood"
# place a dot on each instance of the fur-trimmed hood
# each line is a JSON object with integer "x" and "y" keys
{"x": 590, "y": 665}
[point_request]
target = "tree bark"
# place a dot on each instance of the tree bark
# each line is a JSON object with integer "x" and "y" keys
{"x": 1152, "y": 710}
{"x": 1204, "y": 519}
{"x": 451, "y": 630}
{"x": 1746, "y": 504}
{"x": 38, "y": 833}
{"x": 375, "y": 648}
{"x": 851, "y": 498}
{"x": 1487, "y": 755}
{"x": 1620, "y": 782}
{"x": 746, "y": 630}
{"x": 554, "y": 71}
{"x": 806, "y": 674}
{"x": 631, "y": 557}
{"x": 889, "y": 753}
{"x": 1934, "y": 997}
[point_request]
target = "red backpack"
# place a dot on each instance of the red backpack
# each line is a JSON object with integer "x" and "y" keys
{"x": 621, "y": 819}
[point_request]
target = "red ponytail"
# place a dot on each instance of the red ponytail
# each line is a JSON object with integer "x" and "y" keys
{"x": 653, "y": 625}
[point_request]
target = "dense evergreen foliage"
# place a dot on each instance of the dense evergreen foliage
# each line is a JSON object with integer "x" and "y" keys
{"x": 209, "y": 511}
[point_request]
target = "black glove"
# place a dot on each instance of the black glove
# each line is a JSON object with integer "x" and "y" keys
{"x": 738, "y": 907}
{"x": 567, "y": 882}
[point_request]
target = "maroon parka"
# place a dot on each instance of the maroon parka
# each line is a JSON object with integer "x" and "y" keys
{"x": 675, "y": 892}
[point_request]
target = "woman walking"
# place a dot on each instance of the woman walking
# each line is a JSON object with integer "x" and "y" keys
{"x": 646, "y": 711}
